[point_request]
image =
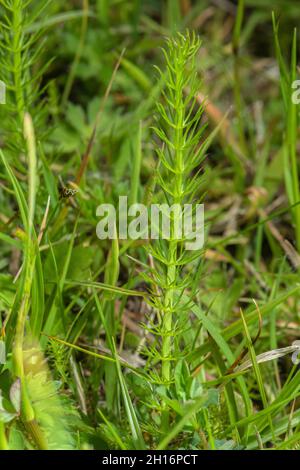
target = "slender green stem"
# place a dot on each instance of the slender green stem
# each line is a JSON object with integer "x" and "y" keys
{"x": 173, "y": 244}
{"x": 167, "y": 326}
{"x": 292, "y": 128}
{"x": 3, "y": 439}
{"x": 30, "y": 250}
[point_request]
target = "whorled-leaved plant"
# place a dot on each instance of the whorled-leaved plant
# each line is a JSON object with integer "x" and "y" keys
{"x": 180, "y": 151}
{"x": 21, "y": 69}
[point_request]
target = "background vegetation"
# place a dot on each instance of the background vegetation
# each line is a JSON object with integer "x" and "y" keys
{"x": 128, "y": 344}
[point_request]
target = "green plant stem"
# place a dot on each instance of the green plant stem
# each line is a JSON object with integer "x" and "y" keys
{"x": 292, "y": 127}
{"x": 30, "y": 250}
{"x": 173, "y": 244}
{"x": 3, "y": 441}
{"x": 27, "y": 411}
{"x": 167, "y": 327}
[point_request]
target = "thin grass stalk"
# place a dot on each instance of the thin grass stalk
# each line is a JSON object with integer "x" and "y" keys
{"x": 27, "y": 411}
{"x": 3, "y": 440}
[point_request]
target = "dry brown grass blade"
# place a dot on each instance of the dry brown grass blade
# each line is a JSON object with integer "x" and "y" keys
{"x": 245, "y": 350}
{"x": 86, "y": 156}
{"x": 227, "y": 138}
{"x": 185, "y": 6}
{"x": 91, "y": 141}
{"x": 290, "y": 251}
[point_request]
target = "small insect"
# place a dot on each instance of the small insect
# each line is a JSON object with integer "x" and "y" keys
{"x": 65, "y": 193}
